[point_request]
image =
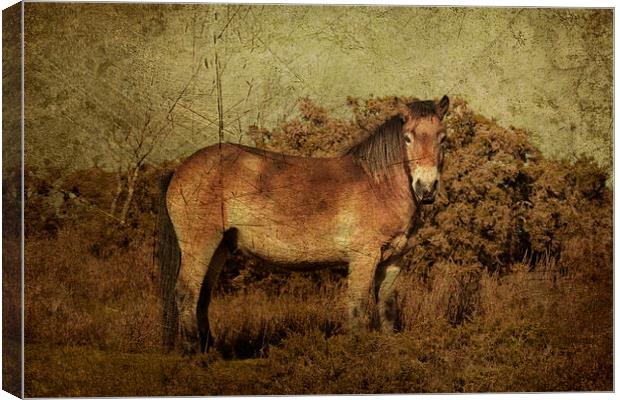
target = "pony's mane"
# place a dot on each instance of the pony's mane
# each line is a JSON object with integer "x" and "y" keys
{"x": 384, "y": 146}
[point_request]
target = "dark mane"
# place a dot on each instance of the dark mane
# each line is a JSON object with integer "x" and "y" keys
{"x": 384, "y": 147}
{"x": 423, "y": 109}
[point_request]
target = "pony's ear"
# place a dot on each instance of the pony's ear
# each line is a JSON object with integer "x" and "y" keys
{"x": 403, "y": 110}
{"x": 442, "y": 107}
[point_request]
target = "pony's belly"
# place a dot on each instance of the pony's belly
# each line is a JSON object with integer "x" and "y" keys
{"x": 286, "y": 230}
{"x": 285, "y": 248}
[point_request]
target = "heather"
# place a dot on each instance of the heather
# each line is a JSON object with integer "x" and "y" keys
{"x": 509, "y": 287}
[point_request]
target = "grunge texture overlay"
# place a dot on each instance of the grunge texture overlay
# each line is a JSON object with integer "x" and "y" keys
{"x": 92, "y": 69}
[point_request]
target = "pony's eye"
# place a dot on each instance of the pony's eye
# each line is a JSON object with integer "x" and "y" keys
{"x": 407, "y": 139}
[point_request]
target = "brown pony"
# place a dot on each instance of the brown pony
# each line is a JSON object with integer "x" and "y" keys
{"x": 298, "y": 213}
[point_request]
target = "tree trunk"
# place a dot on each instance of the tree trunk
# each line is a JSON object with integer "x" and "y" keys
{"x": 119, "y": 190}
{"x": 131, "y": 185}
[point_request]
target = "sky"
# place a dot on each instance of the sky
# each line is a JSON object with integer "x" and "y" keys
{"x": 97, "y": 72}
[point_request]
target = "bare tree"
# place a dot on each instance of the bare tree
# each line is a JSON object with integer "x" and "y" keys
{"x": 118, "y": 105}
{"x": 132, "y": 148}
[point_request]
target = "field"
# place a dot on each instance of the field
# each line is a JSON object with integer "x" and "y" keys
{"x": 509, "y": 289}
{"x": 93, "y": 330}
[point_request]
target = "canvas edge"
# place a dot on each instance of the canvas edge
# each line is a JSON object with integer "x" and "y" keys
{"x": 12, "y": 199}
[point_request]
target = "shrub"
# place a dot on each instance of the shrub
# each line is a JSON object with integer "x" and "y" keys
{"x": 501, "y": 201}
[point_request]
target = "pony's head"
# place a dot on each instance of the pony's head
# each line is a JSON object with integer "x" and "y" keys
{"x": 424, "y": 134}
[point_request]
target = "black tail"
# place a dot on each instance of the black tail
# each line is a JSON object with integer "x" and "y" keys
{"x": 169, "y": 256}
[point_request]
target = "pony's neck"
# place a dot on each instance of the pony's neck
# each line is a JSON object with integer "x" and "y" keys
{"x": 394, "y": 189}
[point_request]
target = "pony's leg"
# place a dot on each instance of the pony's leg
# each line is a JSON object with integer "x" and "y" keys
{"x": 195, "y": 260}
{"x": 202, "y": 310}
{"x": 386, "y": 286}
{"x": 359, "y": 288}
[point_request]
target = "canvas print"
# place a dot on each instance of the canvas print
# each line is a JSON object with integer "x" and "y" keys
{"x": 290, "y": 199}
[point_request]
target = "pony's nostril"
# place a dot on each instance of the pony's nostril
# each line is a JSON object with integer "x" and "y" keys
{"x": 418, "y": 187}
{"x": 435, "y": 185}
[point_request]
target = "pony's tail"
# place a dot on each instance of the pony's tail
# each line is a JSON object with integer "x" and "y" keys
{"x": 169, "y": 256}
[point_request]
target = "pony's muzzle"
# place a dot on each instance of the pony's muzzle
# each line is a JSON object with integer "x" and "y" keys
{"x": 425, "y": 190}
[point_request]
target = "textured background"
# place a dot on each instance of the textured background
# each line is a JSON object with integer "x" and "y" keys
{"x": 94, "y": 71}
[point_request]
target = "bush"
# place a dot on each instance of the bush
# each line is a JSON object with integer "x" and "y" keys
{"x": 500, "y": 200}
